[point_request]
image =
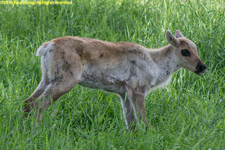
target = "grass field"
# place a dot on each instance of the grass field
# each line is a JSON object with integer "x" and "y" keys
{"x": 187, "y": 114}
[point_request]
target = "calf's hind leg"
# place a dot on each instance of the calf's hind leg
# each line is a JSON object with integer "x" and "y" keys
{"x": 62, "y": 72}
{"x": 40, "y": 89}
{"x": 51, "y": 94}
{"x": 38, "y": 92}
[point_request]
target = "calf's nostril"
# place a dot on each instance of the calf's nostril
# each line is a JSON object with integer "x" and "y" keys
{"x": 204, "y": 67}
{"x": 201, "y": 67}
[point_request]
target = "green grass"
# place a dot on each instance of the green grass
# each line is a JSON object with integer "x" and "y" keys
{"x": 187, "y": 114}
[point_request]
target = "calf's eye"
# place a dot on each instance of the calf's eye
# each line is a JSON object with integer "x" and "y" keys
{"x": 185, "y": 52}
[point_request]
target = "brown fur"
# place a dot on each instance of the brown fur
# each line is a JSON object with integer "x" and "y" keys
{"x": 128, "y": 69}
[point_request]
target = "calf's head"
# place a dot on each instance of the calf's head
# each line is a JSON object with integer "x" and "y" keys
{"x": 186, "y": 53}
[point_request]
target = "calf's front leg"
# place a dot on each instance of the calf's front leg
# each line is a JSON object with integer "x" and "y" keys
{"x": 133, "y": 104}
{"x": 128, "y": 112}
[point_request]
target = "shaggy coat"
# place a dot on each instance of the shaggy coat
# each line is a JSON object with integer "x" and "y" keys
{"x": 128, "y": 69}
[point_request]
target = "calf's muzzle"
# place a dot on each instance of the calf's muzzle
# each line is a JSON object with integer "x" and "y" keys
{"x": 200, "y": 69}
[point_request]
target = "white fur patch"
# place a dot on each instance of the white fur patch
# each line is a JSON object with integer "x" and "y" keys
{"x": 44, "y": 49}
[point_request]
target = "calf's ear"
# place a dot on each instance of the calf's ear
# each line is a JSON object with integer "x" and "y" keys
{"x": 178, "y": 34}
{"x": 172, "y": 40}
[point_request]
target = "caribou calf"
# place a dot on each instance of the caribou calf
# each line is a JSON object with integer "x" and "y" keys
{"x": 127, "y": 69}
